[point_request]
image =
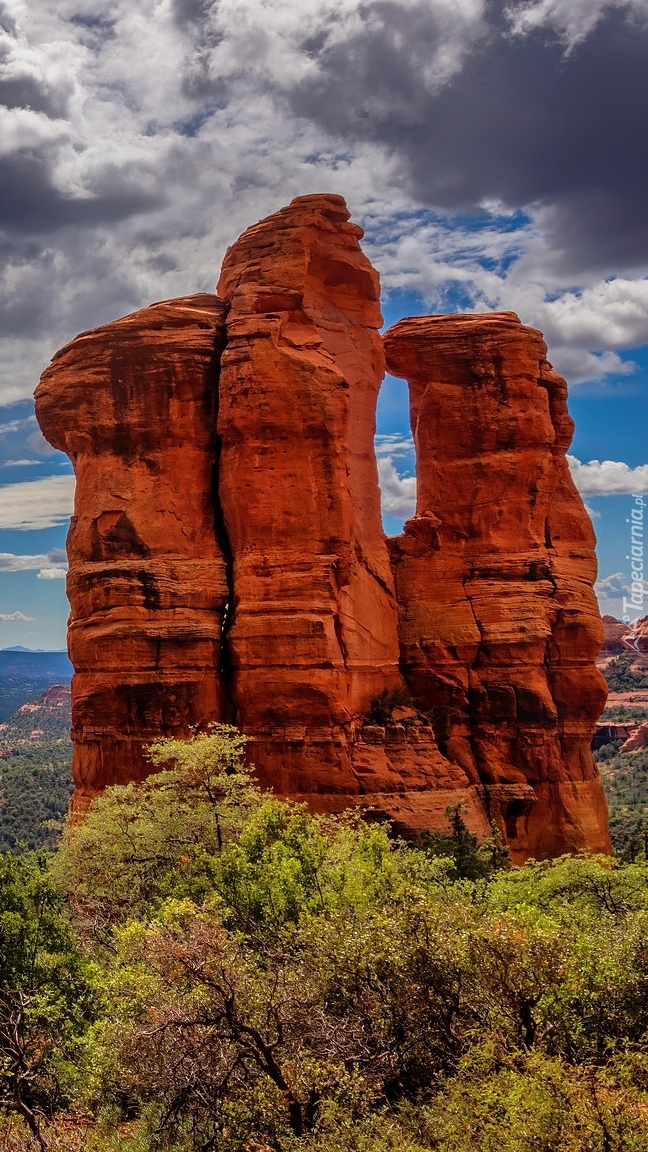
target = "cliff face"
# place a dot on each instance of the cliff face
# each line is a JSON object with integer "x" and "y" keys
{"x": 133, "y": 405}
{"x": 226, "y": 483}
{"x": 314, "y": 618}
{"x": 313, "y": 636}
{"x": 494, "y": 573}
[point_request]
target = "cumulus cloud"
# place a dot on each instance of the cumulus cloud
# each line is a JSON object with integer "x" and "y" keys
{"x": 398, "y": 492}
{"x": 36, "y": 503}
{"x": 497, "y": 266}
{"x": 614, "y": 585}
{"x": 608, "y": 477}
{"x": 394, "y": 445}
{"x": 5, "y": 616}
{"x": 51, "y": 574}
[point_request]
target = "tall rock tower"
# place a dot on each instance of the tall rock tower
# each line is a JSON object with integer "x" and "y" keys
{"x": 227, "y": 559}
{"x": 494, "y": 575}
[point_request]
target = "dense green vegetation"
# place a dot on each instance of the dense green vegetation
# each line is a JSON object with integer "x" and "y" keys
{"x": 35, "y": 777}
{"x": 625, "y": 779}
{"x": 620, "y": 677}
{"x": 201, "y": 966}
{"x": 35, "y": 787}
{"x": 620, "y": 714}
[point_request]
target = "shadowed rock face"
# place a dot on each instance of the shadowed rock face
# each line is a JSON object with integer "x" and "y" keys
{"x": 499, "y": 625}
{"x": 133, "y": 405}
{"x": 227, "y": 559}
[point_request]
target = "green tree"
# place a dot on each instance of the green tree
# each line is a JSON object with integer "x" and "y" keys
{"x": 471, "y": 860}
{"x": 44, "y": 994}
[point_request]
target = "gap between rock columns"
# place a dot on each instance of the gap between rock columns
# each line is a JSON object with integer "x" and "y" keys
{"x": 494, "y": 577}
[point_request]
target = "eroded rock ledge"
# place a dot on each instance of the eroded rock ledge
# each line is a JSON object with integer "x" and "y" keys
{"x": 227, "y": 559}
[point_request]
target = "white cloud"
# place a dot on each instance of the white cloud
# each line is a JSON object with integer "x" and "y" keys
{"x": 52, "y": 574}
{"x": 36, "y": 503}
{"x": 494, "y": 268}
{"x": 10, "y": 427}
{"x": 54, "y": 561}
{"x": 6, "y": 616}
{"x": 394, "y": 445}
{"x": 608, "y": 477}
{"x": 398, "y": 492}
{"x": 176, "y": 158}
{"x": 614, "y": 585}
{"x": 572, "y": 20}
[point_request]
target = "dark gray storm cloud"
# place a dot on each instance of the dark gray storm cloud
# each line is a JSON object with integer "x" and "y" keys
{"x": 30, "y": 202}
{"x": 522, "y": 121}
{"x": 135, "y": 144}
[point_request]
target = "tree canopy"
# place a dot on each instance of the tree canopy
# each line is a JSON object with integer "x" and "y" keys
{"x": 209, "y": 967}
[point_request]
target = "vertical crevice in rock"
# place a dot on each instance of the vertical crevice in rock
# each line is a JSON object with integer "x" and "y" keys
{"x": 223, "y": 542}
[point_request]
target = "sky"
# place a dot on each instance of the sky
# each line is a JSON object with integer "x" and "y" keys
{"x": 495, "y": 154}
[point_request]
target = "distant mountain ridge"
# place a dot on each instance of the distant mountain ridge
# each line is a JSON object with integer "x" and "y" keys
{"x": 24, "y": 673}
{"x": 45, "y": 665}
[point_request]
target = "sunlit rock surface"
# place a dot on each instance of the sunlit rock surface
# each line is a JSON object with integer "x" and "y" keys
{"x": 227, "y": 559}
{"x": 500, "y": 628}
{"x": 133, "y": 404}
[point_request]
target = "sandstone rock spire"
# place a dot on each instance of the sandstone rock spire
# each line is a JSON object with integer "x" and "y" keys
{"x": 133, "y": 404}
{"x": 494, "y": 574}
{"x": 313, "y": 634}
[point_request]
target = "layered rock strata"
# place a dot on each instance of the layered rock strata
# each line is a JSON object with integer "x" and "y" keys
{"x": 227, "y": 559}
{"x": 494, "y": 577}
{"x": 314, "y": 623}
{"x": 133, "y": 405}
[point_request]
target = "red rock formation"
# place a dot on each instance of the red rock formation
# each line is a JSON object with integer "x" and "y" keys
{"x": 613, "y": 632}
{"x": 313, "y": 637}
{"x": 499, "y": 624}
{"x": 637, "y": 740}
{"x": 133, "y": 405}
{"x": 283, "y": 542}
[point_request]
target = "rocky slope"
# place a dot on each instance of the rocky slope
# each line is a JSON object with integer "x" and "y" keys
{"x": 227, "y": 559}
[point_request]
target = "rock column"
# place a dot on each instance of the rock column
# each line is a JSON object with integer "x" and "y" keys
{"x": 133, "y": 405}
{"x": 313, "y": 633}
{"x": 494, "y": 575}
